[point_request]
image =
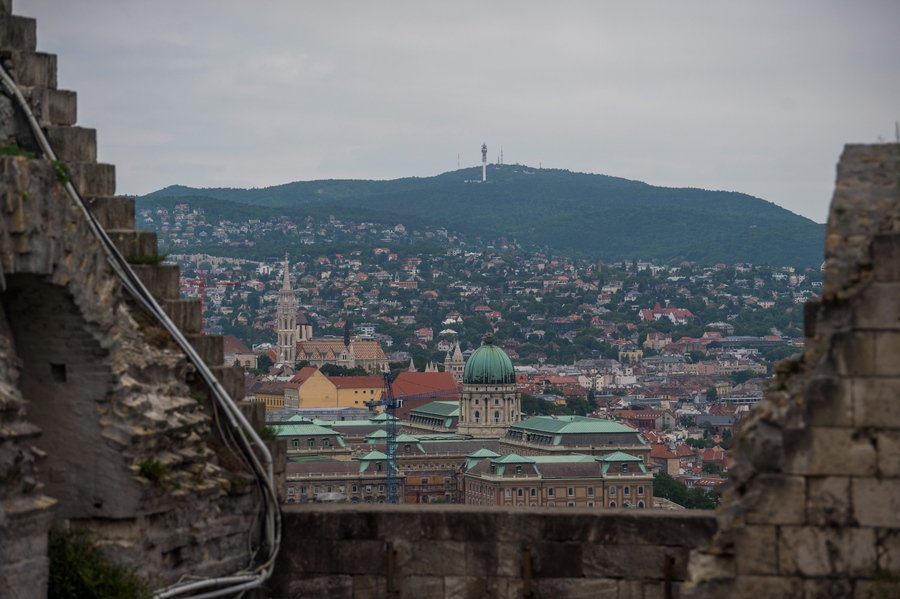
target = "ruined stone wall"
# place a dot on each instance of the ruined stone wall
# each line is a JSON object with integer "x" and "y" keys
{"x": 814, "y": 505}
{"x": 103, "y": 424}
{"x": 460, "y": 552}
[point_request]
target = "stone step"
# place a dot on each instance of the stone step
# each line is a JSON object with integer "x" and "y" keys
{"x": 210, "y": 348}
{"x": 185, "y": 313}
{"x": 36, "y": 69}
{"x": 113, "y": 212}
{"x": 232, "y": 379}
{"x": 52, "y": 106}
{"x": 93, "y": 178}
{"x": 73, "y": 144}
{"x": 136, "y": 246}
{"x": 160, "y": 279}
{"x": 18, "y": 33}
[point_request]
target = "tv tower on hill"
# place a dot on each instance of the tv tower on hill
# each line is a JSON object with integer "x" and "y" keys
{"x": 483, "y": 162}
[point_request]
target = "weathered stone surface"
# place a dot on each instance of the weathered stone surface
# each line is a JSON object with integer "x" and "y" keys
{"x": 777, "y": 500}
{"x": 876, "y": 502}
{"x": 820, "y": 552}
{"x": 875, "y": 402}
{"x": 887, "y": 350}
{"x": 757, "y": 547}
{"x": 828, "y": 501}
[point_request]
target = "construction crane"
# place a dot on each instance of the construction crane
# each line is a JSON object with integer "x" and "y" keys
{"x": 390, "y": 406}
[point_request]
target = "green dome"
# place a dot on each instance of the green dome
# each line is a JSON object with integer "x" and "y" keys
{"x": 489, "y": 365}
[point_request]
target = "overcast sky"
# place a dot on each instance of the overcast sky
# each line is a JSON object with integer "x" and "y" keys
{"x": 757, "y": 97}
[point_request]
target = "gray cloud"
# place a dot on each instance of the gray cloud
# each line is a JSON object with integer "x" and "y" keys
{"x": 754, "y": 97}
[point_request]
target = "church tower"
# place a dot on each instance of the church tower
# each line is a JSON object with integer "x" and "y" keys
{"x": 454, "y": 363}
{"x": 489, "y": 402}
{"x": 287, "y": 320}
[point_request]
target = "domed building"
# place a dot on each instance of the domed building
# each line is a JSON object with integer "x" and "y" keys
{"x": 489, "y": 402}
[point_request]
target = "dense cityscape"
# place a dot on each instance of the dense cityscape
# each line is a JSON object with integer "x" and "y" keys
{"x": 679, "y": 352}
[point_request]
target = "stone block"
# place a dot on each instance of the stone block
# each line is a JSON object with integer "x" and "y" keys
{"x": 113, "y": 212}
{"x": 777, "y": 499}
{"x": 317, "y": 587}
{"x": 73, "y": 144}
{"x": 821, "y": 552}
{"x": 52, "y": 106}
{"x": 754, "y": 552}
{"x": 634, "y": 561}
{"x": 437, "y": 558}
{"x": 36, "y": 69}
{"x": 888, "y": 453}
{"x": 19, "y": 33}
{"x": 853, "y": 354}
{"x": 576, "y": 588}
{"x": 876, "y": 502}
{"x": 889, "y": 552}
{"x": 161, "y": 280}
{"x": 93, "y": 178}
{"x": 886, "y": 257}
{"x": 232, "y": 379}
{"x": 828, "y": 501}
{"x": 876, "y": 402}
{"x": 210, "y": 348}
{"x": 185, "y": 313}
{"x": 556, "y": 560}
{"x": 369, "y": 587}
{"x": 493, "y": 559}
{"x": 830, "y": 401}
{"x": 421, "y": 587}
{"x": 472, "y": 587}
{"x": 836, "y": 451}
{"x": 827, "y": 589}
{"x": 135, "y": 246}
{"x": 880, "y": 588}
{"x": 887, "y": 353}
{"x": 877, "y": 307}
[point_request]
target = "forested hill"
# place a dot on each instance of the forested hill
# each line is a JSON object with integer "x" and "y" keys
{"x": 594, "y": 215}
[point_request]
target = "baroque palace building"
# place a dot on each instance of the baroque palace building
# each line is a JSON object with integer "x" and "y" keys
{"x": 477, "y": 450}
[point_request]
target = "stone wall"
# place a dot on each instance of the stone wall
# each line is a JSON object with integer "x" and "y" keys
{"x": 814, "y": 503}
{"x": 103, "y": 423}
{"x": 459, "y": 552}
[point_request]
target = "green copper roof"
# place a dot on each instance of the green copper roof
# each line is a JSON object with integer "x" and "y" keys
{"x": 619, "y": 456}
{"x": 379, "y": 434}
{"x": 438, "y": 408}
{"x": 407, "y": 439}
{"x": 372, "y": 455}
{"x": 483, "y": 453}
{"x": 513, "y": 458}
{"x": 489, "y": 365}
{"x": 571, "y": 424}
{"x": 302, "y": 430}
{"x": 383, "y": 417}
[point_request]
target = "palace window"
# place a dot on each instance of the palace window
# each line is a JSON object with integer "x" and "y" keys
{"x": 551, "y": 492}
{"x": 311, "y": 442}
{"x": 590, "y": 491}
{"x": 295, "y": 443}
{"x": 626, "y": 490}
{"x": 612, "y": 491}
{"x": 640, "y": 504}
{"x": 533, "y": 492}
{"x": 520, "y": 492}
{"x": 612, "y": 504}
{"x": 640, "y": 490}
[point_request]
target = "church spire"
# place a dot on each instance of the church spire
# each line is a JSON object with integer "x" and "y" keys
{"x": 286, "y": 285}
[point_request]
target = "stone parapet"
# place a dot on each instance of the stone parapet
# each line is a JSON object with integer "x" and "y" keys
{"x": 343, "y": 551}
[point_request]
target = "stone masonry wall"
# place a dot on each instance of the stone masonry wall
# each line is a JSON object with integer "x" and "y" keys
{"x": 460, "y": 552}
{"x": 814, "y": 505}
{"x": 103, "y": 424}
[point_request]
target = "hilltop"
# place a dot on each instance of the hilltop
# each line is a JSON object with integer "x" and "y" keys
{"x": 599, "y": 216}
